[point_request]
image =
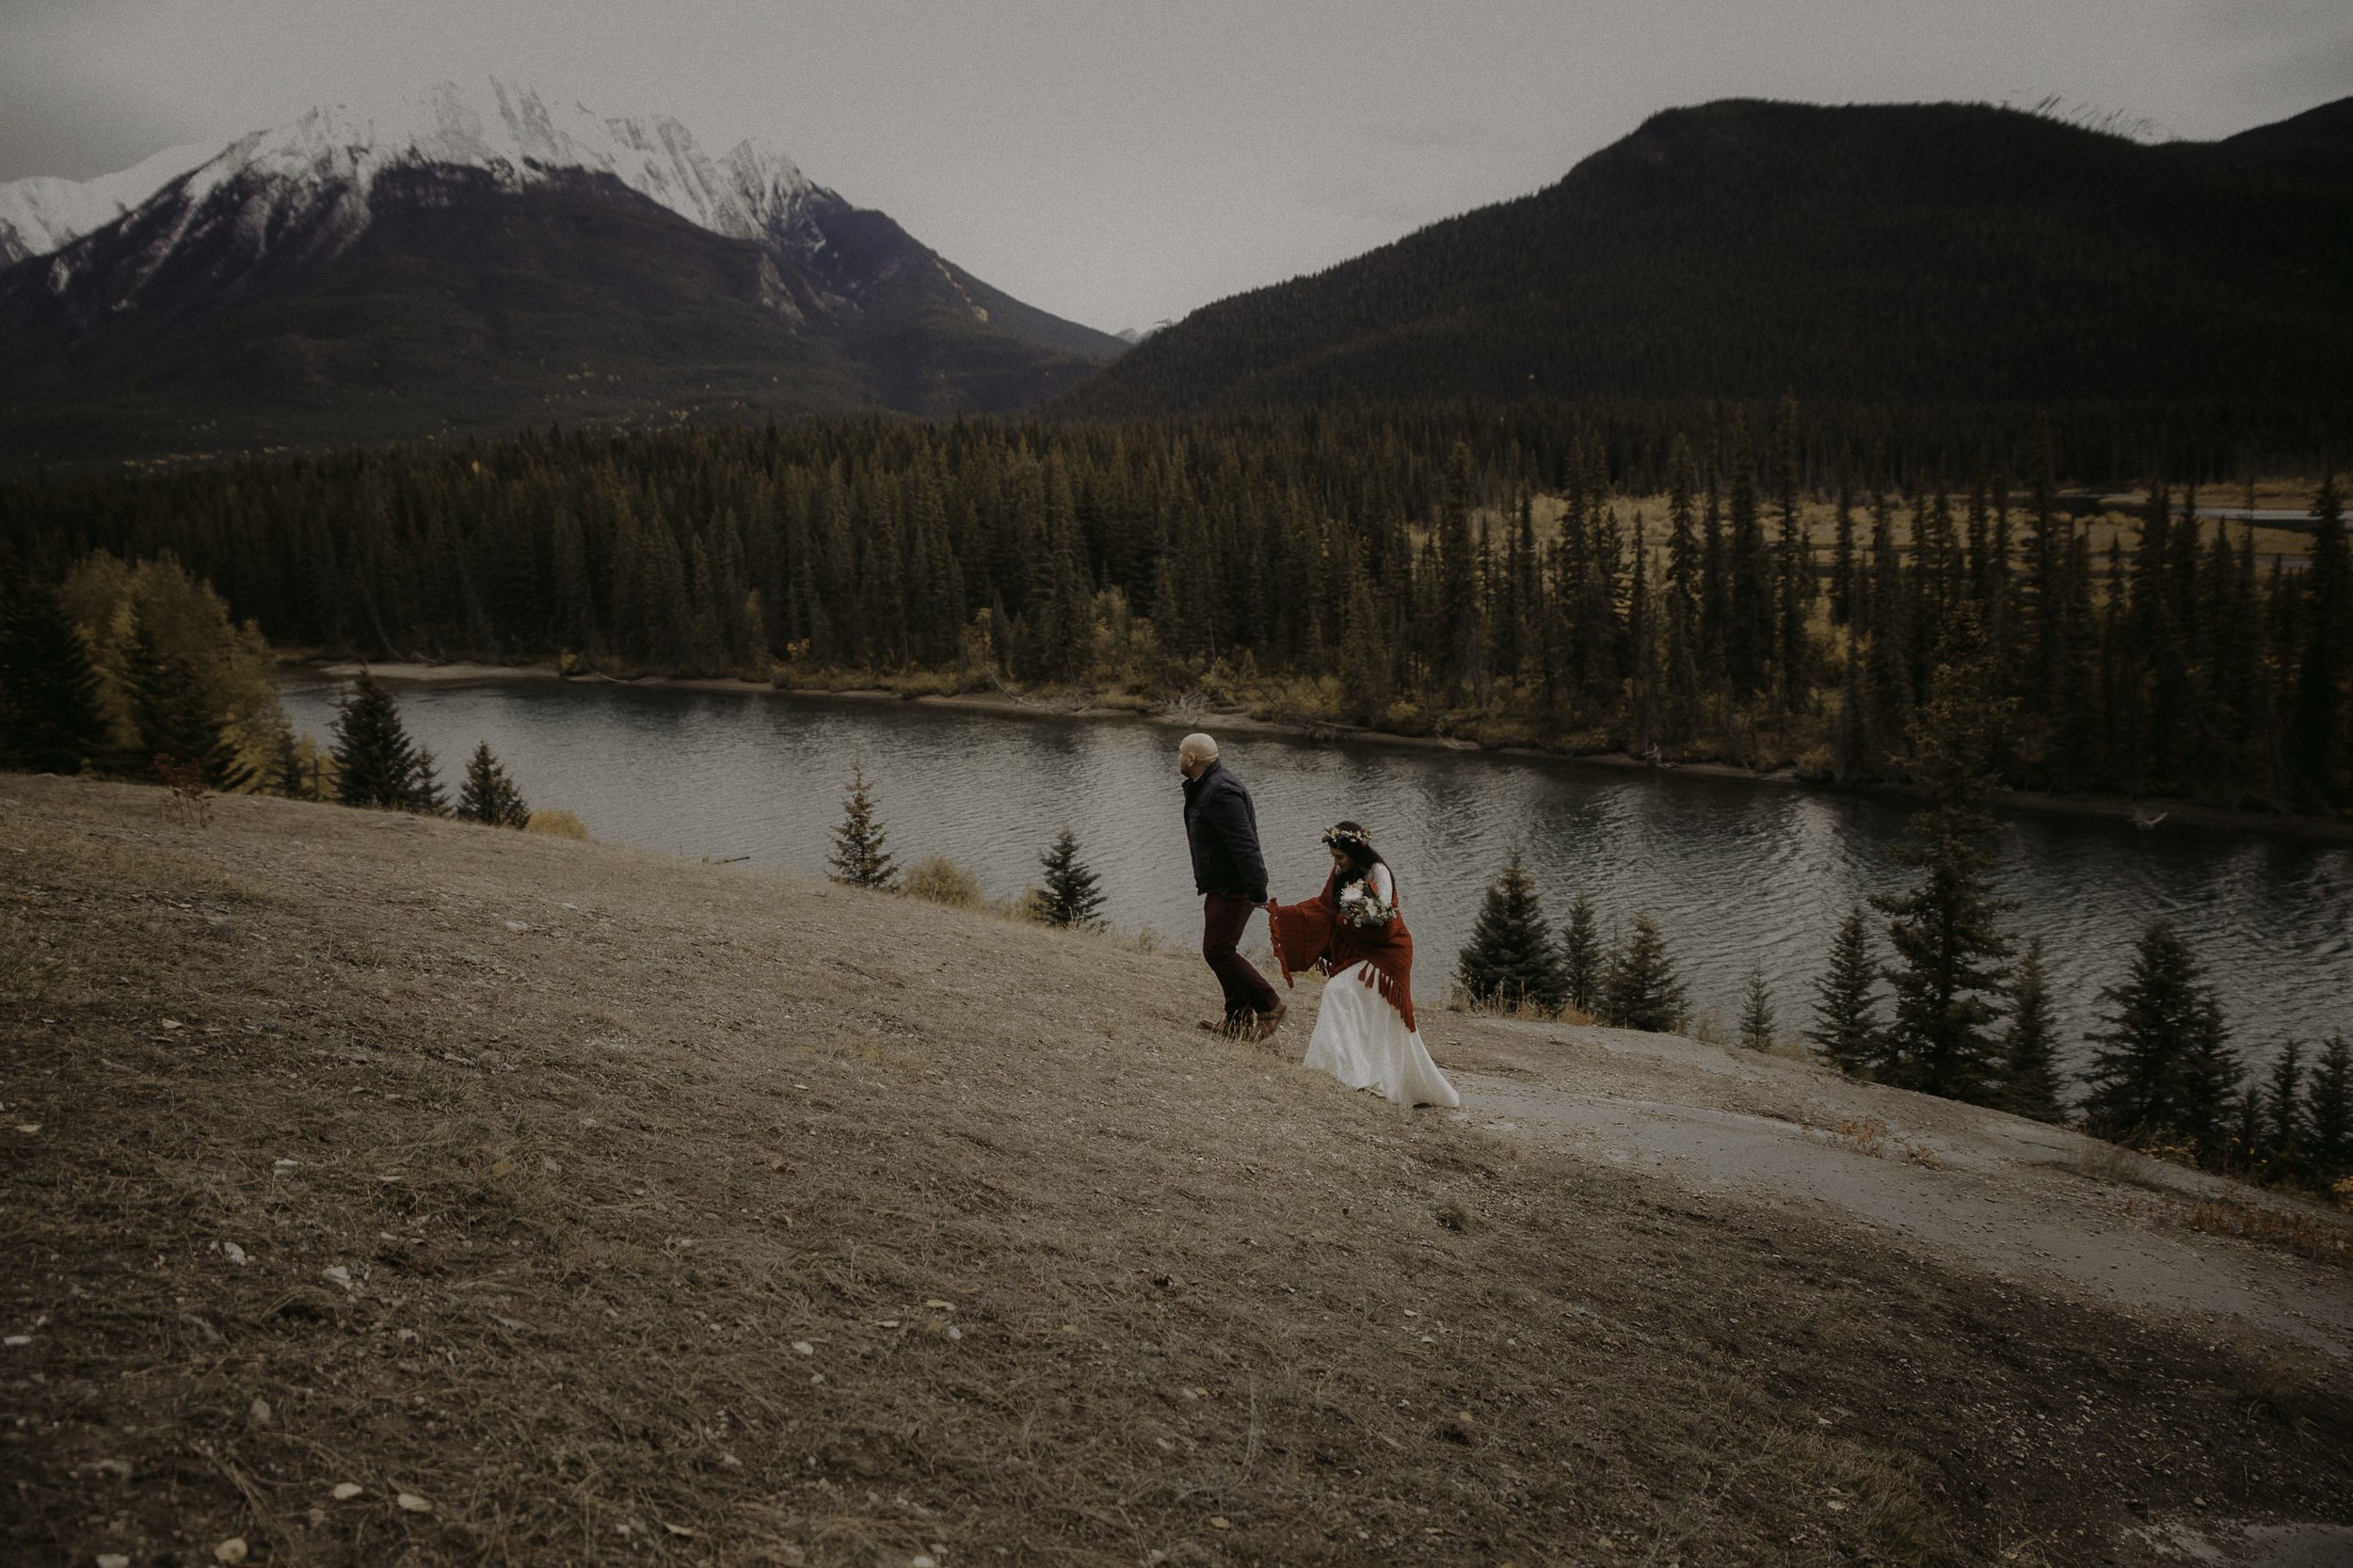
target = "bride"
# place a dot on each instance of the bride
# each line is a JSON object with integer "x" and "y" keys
{"x": 1354, "y": 932}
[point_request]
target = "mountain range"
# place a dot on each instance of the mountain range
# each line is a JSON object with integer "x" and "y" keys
{"x": 475, "y": 258}
{"x": 1944, "y": 253}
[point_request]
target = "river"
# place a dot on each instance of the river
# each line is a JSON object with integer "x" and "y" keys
{"x": 1736, "y": 873}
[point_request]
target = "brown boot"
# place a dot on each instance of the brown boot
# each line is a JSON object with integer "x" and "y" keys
{"x": 1269, "y": 1022}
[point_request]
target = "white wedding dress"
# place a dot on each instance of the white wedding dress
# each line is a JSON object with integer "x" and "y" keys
{"x": 1363, "y": 1041}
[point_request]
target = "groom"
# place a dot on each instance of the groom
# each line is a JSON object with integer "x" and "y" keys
{"x": 1228, "y": 871}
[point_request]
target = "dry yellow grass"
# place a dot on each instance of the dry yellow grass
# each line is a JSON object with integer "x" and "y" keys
{"x": 621, "y": 1209}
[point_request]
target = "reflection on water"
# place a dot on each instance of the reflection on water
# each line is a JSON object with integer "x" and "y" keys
{"x": 1736, "y": 871}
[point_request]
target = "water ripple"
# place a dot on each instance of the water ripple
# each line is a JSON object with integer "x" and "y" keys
{"x": 1736, "y": 874}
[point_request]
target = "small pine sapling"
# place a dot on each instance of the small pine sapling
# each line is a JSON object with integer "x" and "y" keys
{"x": 861, "y": 846}
{"x": 1073, "y": 895}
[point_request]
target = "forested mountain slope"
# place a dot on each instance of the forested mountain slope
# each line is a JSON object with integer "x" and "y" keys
{"x": 475, "y": 259}
{"x": 1891, "y": 252}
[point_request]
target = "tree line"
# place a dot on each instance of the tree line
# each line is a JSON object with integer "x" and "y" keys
{"x": 1962, "y": 1019}
{"x": 137, "y": 672}
{"x": 1327, "y": 568}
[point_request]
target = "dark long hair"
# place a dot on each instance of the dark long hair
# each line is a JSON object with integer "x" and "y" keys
{"x": 1361, "y": 858}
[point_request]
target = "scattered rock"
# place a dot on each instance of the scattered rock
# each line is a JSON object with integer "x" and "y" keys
{"x": 231, "y": 1550}
{"x": 802, "y": 1346}
{"x": 113, "y": 1559}
{"x": 340, "y": 1274}
{"x": 519, "y": 925}
{"x": 345, "y": 1491}
{"x": 258, "y": 1410}
{"x": 408, "y": 1502}
{"x": 17, "y": 1339}
{"x": 1218, "y": 1521}
{"x": 235, "y": 1253}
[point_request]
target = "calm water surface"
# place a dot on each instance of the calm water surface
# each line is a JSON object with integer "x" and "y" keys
{"x": 1736, "y": 873}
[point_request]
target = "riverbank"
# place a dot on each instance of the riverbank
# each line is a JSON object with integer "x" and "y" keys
{"x": 2152, "y": 813}
{"x": 414, "y": 1190}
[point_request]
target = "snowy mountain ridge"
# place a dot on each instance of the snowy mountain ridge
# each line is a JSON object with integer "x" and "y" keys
{"x": 336, "y": 153}
{"x": 40, "y": 213}
{"x": 480, "y": 257}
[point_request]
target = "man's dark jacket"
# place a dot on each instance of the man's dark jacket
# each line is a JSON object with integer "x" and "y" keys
{"x": 1222, "y": 829}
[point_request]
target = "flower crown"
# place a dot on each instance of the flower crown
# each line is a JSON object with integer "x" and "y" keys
{"x": 1355, "y": 835}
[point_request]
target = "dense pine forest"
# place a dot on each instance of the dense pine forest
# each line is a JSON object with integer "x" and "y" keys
{"x": 1766, "y": 586}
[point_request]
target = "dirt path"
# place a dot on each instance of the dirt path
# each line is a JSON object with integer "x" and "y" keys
{"x": 1949, "y": 1183}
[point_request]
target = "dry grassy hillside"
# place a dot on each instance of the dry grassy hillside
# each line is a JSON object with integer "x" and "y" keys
{"x": 380, "y": 1191}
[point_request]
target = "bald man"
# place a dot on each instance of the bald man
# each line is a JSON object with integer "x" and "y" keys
{"x": 1229, "y": 872}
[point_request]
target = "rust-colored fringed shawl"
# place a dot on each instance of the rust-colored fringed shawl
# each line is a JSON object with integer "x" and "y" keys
{"x": 1312, "y": 935}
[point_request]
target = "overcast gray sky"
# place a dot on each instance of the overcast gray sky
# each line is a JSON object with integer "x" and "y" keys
{"x": 1121, "y": 161}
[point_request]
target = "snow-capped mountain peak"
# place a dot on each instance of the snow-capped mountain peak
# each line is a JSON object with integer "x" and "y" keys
{"x": 508, "y": 131}
{"x": 39, "y": 213}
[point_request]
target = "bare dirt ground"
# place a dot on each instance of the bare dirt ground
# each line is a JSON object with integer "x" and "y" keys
{"x": 381, "y": 1191}
{"x": 1949, "y": 1183}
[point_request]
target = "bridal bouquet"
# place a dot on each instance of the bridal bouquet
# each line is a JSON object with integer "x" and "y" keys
{"x": 1361, "y": 906}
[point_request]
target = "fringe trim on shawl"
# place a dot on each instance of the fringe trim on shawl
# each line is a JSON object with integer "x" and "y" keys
{"x": 1312, "y": 935}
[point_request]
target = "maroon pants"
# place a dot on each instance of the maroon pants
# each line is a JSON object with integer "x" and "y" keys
{"x": 1224, "y": 918}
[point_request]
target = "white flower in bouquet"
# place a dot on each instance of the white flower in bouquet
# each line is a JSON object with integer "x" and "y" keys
{"x": 1361, "y": 906}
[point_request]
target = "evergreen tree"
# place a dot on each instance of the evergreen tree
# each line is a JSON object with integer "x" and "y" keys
{"x": 488, "y": 796}
{"x": 1756, "y": 1010}
{"x": 2315, "y": 737}
{"x": 1457, "y": 607}
{"x": 1749, "y": 636}
{"x": 1888, "y": 658}
{"x": 174, "y": 719}
{"x": 861, "y": 855}
{"x": 1846, "y": 1013}
{"x": 1581, "y": 961}
{"x": 425, "y": 796}
{"x": 1642, "y": 991}
{"x": 2163, "y": 1067}
{"x": 1681, "y": 715}
{"x": 1949, "y": 949}
{"x": 1368, "y": 663}
{"x": 1511, "y": 958}
{"x": 50, "y": 720}
{"x": 2030, "y": 1077}
{"x": 1715, "y": 589}
{"x": 1794, "y": 583}
{"x": 1073, "y": 893}
{"x": 376, "y": 764}
{"x": 2283, "y": 1125}
{"x": 1842, "y": 561}
{"x": 292, "y": 773}
{"x": 2328, "y": 1132}
{"x": 2241, "y": 1146}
